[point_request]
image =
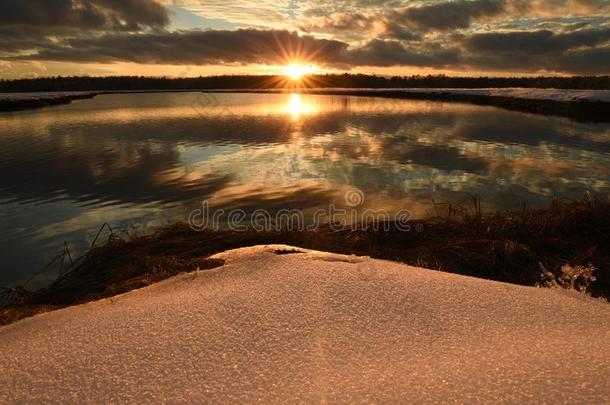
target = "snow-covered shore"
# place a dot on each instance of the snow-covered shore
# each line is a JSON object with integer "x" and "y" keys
{"x": 565, "y": 95}
{"x": 306, "y": 326}
{"x": 529, "y": 94}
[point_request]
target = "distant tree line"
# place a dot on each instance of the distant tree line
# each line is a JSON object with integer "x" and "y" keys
{"x": 115, "y": 83}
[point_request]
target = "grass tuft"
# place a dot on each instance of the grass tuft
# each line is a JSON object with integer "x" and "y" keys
{"x": 565, "y": 245}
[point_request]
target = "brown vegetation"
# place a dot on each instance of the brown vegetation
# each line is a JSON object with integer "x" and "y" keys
{"x": 532, "y": 247}
{"x": 88, "y": 83}
{"x": 15, "y": 104}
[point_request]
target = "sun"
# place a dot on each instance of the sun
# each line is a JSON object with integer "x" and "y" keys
{"x": 296, "y": 71}
{"x": 295, "y": 74}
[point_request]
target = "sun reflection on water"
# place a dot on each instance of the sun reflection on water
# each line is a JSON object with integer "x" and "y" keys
{"x": 144, "y": 160}
{"x": 297, "y": 106}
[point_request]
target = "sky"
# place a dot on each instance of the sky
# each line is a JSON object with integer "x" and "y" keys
{"x": 185, "y": 38}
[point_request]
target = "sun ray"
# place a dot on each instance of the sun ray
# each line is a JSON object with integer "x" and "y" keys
{"x": 294, "y": 76}
{"x": 297, "y": 72}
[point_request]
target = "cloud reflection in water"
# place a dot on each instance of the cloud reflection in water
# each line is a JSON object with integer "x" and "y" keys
{"x": 141, "y": 160}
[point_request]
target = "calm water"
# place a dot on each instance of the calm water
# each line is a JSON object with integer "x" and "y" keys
{"x": 142, "y": 160}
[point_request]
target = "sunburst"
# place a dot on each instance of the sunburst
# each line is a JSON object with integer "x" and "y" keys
{"x": 295, "y": 76}
{"x": 297, "y": 72}
{"x": 294, "y": 59}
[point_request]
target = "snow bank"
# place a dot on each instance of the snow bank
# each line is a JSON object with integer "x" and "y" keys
{"x": 523, "y": 93}
{"x": 565, "y": 95}
{"x": 314, "y": 327}
{"x": 535, "y": 94}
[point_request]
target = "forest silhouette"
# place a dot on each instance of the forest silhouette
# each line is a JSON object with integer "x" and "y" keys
{"x": 134, "y": 83}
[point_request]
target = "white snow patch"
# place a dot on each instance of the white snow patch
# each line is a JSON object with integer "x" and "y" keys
{"x": 538, "y": 94}
{"x": 522, "y": 93}
{"x": 314, "y": 327}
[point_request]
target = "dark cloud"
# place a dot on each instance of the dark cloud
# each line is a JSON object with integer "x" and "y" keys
{"x": 557, "y": 7}
{"x": 130, "y": 175}
{"x": 27, "y": 25}
{"x": 15, "y": 39}
{"x": 535, "y": 131}
{"x": 448, "y": 15}
{"x": 441, "y": 157}
{"x": 197, "y": 47}
{"x": 574, "y": 52}
{"x": 245, "y": 46}
{"x": 341, "y": 22}
{"x": 543, "y": 41}
{"x": 391, "y": 53}
{"x": 585, "y": 61}
{"x": 405, "y": 23}
{"x": 397, "y": 31}
{"x": 581, "y": 52}
{"x": 49, "y": 15}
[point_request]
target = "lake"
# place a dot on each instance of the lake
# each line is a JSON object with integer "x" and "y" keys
{"x": 137, "y": 161}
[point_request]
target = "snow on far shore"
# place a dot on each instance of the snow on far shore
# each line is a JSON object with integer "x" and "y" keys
{"x": 528, "y": 93}
{"x": 522, "y": 93}
{"x": 314, "y": 327}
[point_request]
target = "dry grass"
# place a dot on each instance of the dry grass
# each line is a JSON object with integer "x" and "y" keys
{"x": 547, "y": 247}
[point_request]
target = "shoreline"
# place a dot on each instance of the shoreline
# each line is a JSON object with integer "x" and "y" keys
{"x": 578, "y": 108}
{"x": 28, "y": 103}
{"x": 564, "y": 246}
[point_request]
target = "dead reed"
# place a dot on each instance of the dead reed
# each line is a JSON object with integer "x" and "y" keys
{"x": 565, "y": 245}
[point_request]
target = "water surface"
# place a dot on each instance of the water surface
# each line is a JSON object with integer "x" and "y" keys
{"x": 141, "y": 160}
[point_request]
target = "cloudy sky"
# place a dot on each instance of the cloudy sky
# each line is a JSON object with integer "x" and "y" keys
{"x": 201, "y": 37}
